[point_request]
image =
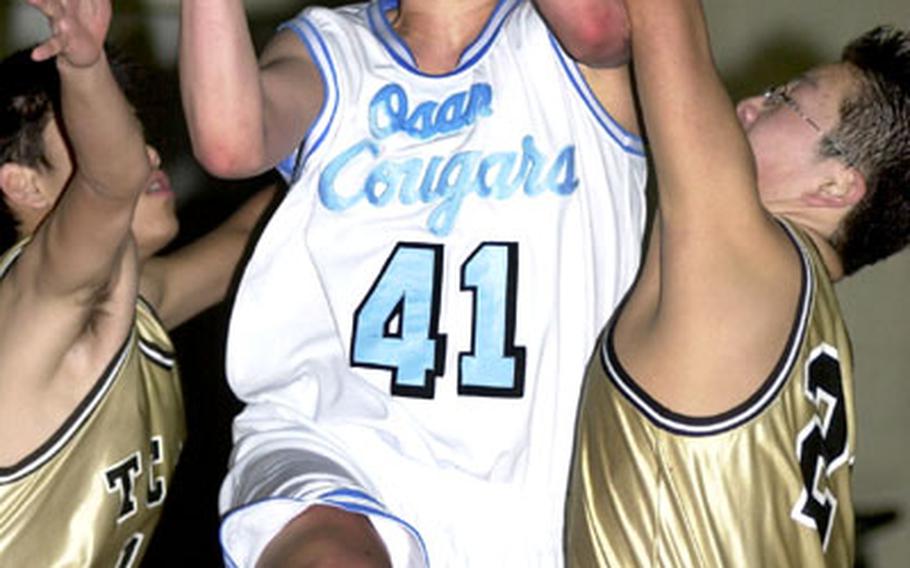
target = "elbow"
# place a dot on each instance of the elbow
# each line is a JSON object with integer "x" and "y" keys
{"x": 224, "y": 158}
{"x": 602, "y": 39}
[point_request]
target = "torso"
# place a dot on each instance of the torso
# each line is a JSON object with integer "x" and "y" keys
{"x": 737, "y": 488}
{"x": 98, "y": 482}
{"x": 442, "y": 265}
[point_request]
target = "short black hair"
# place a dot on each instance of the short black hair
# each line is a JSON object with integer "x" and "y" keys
{"x": 874, "y": 127}
{"x": 29, "y": 97}
{"x": 29, "y": 100}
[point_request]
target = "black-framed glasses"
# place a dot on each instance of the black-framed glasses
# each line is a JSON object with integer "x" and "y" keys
{"x": 778, "y": 95}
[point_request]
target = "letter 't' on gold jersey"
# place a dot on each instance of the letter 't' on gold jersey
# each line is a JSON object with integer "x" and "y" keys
{"x": 92, "y": 494}
{"x": 764, "y": 484}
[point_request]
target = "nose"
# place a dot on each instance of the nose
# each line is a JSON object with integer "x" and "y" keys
{"x": 749, "y": 109}
{"x": 153, "y": 155}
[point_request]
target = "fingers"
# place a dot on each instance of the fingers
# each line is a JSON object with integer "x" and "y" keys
{"x": 78, "y": 28}
{"x": 53, "y": 11}
{"x": 57, "y": 16}
{"x": 50, "y": 48}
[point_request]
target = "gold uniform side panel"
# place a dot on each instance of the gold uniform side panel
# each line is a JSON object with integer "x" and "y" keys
{"x": 92, "y": 494}
{"x": 766, "y": 484}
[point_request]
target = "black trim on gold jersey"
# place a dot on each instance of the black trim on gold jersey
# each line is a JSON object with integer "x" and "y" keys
{"x": 154, "y": 353}
{"x": 766, "y": 394}
{"x": 93, "y": 398}
{"x": 164, "y": 358}
{"x": 71, "y": 425}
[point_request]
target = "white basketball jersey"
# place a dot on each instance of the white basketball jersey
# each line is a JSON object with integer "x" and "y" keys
{"x": 424, "y": 301}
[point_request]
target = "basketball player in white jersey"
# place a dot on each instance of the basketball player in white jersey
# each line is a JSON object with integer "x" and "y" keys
{"x": 91, "y": 411}
{"x": 411, "y": 333}
{"x": 717, "y": 422}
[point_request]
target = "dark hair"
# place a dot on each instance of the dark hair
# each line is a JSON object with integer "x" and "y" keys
{"x": 29, "y": 97}
{"x": 875, "y": 128}
{"x": 29, "y": 100}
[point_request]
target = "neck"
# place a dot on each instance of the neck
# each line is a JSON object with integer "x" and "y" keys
{"x": 829, "y": 256}
{"x": 822, "y": 241}
{"x": 438, "y": 31}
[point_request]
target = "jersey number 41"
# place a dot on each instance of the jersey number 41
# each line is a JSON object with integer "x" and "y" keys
{"x": 396, "y": 326}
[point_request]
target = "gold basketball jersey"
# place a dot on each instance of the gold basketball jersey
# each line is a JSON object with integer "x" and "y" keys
{"x": 764, "y": 484}
{"x": 92, "y": 494}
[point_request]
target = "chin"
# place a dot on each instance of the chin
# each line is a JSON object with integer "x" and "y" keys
{"x": 153, "y": 241}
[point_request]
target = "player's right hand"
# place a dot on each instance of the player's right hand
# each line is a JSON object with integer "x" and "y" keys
{"x": 78, "y": 30}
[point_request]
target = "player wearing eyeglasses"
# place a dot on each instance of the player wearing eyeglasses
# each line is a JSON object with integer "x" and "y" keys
{"x": 717, "y": 420}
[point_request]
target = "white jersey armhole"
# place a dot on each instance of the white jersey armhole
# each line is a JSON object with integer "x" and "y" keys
{"x": 316, "y": 45}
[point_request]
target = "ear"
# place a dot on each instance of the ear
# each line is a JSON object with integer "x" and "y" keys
{"x": 21, "y": 187}
{"x": 844, "y": 189}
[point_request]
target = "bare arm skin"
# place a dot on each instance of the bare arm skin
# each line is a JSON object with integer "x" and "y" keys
{"x": 100, "y": 123}
{"x": 244, "y": 115}
{"x": 186, "y": 282}
{"x": 593, "y": 32}
{"x": 596, "y": 34}
{"x": 67, "y": 303}
{"x": 271, "y": 103}
{"x": 720, "y": 282}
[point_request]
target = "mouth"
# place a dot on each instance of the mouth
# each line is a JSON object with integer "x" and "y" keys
{"x": 159, "y": 184}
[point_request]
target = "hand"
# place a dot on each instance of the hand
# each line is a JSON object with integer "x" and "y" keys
{"x": 78, "y": 29}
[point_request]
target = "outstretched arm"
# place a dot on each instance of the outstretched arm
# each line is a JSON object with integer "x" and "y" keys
{"x": 691, "y": 121}
{"x": 720, "y": 283}
{"x": 85, "y": 237}
{"x": 593, "y": 32}
{"x": 196, "y": 277}
{"x": 244, "y": 115}
{"x": 70, "y": 296}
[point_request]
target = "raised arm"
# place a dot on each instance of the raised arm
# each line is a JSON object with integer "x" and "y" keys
{"x": 87, "y": 234}
{"x": 67, "y": 303}
{"x": 720, "y": 283}
{"x": 697, "y": 142}
{"x": 244, "y": 115}
{"x": 184, "y": 283}
{"x": 593, "y": 32}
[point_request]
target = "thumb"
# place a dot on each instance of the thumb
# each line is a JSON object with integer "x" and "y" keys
{"x": 46, "y": 50}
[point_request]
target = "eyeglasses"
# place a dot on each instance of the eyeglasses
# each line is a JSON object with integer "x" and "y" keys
{"x": 780, "y": 94}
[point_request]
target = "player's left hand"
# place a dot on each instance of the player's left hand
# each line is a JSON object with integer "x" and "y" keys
{"x": 78, "y": 30}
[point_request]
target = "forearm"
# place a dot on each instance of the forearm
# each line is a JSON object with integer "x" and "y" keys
{"x": 105, "y": 134}
{"x": 220, "y": 86}
{"x": 593, "y": 32}
{"x": 702, "y": 159}
{"x": 198, "y": 276}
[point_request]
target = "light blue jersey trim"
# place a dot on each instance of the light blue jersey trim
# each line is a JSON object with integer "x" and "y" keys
{"x": 628, "y": 141}
{"x": 290, "y": 167}
{"x": 228, "y": 559}
{"x": 401, "y": 53}
{"x": 389, "y": 38}
{"x": 359, "y": 502}
{"x": 352, "y": 500}
{"x": 485, "y": 39}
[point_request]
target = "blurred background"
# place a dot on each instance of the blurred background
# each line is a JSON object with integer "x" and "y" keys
{"x": 756, "y": 44}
